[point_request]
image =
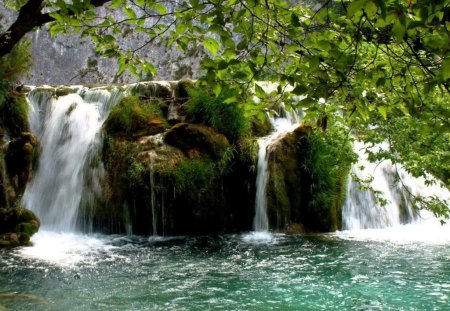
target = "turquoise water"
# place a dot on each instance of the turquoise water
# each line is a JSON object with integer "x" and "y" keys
{"x": 317, "y": 272}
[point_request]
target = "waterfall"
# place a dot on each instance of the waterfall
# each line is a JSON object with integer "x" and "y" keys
{"x": 282, "y": 124}
{"x": 362, "y": 210}
{"x": 153, "y": 193}
{"x": 69, "y": 171}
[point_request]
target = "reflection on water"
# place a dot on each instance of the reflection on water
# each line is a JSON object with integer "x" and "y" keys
{"x": 234, "y": 272}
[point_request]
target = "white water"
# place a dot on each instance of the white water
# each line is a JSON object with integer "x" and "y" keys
{"x": 364, "y": 218}
{"x": 69, "y": 172}
{"x": 65, "y": 249}
{"x": 153, "y": 193}
{"x": 283, "y": 124}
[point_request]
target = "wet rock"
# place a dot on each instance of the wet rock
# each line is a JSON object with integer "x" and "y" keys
{"x": 288, "y": 181}
{"x": 306, "y": 187}
{"x": 19, "y": 159}
{"x": 17, "y": 225}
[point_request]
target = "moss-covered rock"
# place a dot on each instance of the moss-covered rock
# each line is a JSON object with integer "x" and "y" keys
{"x": 133, "y": 117}
{"x": 308, "y": 176}
{"x": 17, "y": 225}
{"x": 194, "y": 139}
{"x": 20, "y": 156}
{"x": 14, "y": 114}
{"x": 153, "y": 89}
{"x": 182, "y": 88}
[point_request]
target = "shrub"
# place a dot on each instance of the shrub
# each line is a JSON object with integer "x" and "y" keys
{"x": 227, "y": 118}
{"x": 131, "y": 115}
{"x": 328, "y": 162}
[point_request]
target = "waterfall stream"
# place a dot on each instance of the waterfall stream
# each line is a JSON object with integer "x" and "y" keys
{"x": 362, "y": 210}
{"x": 69, "y": 172}
{"x": 286, "y": 122}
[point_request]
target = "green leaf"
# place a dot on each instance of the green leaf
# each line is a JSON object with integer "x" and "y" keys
{"x": 446, "y": 69}
{"x": 230, "y": 100}
{"x": 217, "y": 89}
{"x": 398, "y": 30}
{"x": 116, "y": 4}
{"x": 300, "y": 89}
{"x": 180, "y": 28}
{"x": 383, "y": 111}
{"x": 295, "y": 21}
{"x": 211, "y": 45}
{"x": 355, "y": 6}
{"x": 242, "y": 44}
{"x": 161, "y": 8}
{"x": 259, "y": 91}
{"x": 129, "y": 12}
{"x": 56, "y": 29}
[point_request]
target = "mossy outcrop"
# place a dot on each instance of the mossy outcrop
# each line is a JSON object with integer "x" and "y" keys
{"x": 198, "y": 175}
{"x": 187, "y": 179}
{"x": 21, "y": 154}
{"x": 198, "y": 139}
{"x": 17, "y": 225}
{"x": 307, "y": 183}
{"x": 14, "y": 114}
{"x": 133, "y": 117}
{"x": 17, "y": 158}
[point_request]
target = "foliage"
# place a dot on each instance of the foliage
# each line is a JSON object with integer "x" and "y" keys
{"x": 227, "y": 118}
{"x": 195, "y": 175}
{"x": 328, "y": 162}
{"x": 132, "y": 114}
{"x": 14, "y": 65}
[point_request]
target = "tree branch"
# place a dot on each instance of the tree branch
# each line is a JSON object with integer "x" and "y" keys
{"x": 30, "y": 16}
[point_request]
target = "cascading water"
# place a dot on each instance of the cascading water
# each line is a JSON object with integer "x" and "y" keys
{"x": 286, "y": 122}
{"x": 68, "y": 173}
{"x": 362, "y": 210}
{"x": 153, "y": 193}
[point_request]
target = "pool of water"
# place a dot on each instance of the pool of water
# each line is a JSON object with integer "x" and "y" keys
{"x": 232, "y": 272}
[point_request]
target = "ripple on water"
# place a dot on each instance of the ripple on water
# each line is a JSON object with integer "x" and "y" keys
{"x": 316, "y": 272}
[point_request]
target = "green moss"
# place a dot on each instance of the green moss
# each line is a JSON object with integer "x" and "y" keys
{"x": 14, "y": 114}
{"x": 227, "y": 118}
{"x": 135, "y": 174}
{"x": 132, "y": 115}
{"x": 328, "y": 163}
{"x": 183, "y": 87}
{"x": 195, "y": 175}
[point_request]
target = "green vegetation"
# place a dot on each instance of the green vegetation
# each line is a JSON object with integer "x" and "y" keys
{"x": 14, "y": 114}
{"x": 227, "y": 118}
{"x": 133, "y": 115}
{"x": 13, "y": 106}
{"x": 328, "y": 162}
{"x": 195, "y": 175}
{"x": 14, "y": 65}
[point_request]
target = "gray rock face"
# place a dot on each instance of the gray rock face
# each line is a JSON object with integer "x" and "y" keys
{"x": 71, "y": 60}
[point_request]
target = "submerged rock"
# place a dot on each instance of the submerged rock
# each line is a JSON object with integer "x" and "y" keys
{"x": 17, "y": 225}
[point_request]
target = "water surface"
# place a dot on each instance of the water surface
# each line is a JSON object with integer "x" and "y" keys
{"x": 233, "y": 272}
